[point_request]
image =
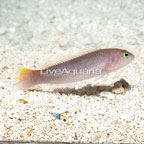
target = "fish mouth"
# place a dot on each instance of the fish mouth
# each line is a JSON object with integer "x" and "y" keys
{"x": 132, "y": 56}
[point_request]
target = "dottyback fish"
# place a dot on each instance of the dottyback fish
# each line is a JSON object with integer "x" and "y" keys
{"x": 92, "y": 64}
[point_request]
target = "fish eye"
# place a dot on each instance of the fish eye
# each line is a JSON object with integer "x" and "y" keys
{"x": 125, "y": 54}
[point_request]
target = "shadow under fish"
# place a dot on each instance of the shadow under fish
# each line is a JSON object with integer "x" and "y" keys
{"x": 96, "y": 90}
{"x": 119, "y": 87}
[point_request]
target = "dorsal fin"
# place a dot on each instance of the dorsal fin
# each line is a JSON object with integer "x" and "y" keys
{"x": 54, "y": 59}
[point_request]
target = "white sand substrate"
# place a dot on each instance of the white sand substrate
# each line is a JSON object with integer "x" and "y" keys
{"x": 34, "y": 31}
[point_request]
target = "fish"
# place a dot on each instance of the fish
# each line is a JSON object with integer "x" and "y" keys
{"x": 83, "y": 67}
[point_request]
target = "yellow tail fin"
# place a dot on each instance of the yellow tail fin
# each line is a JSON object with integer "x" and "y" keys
{"x": 23, "y": 74}
{"x": 24, "y": 78}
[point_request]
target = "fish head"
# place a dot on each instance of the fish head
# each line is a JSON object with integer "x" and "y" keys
{"x": 118, "y": 59}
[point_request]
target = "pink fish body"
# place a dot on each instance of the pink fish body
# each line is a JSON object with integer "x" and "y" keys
{"x": 96, "y": 63}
